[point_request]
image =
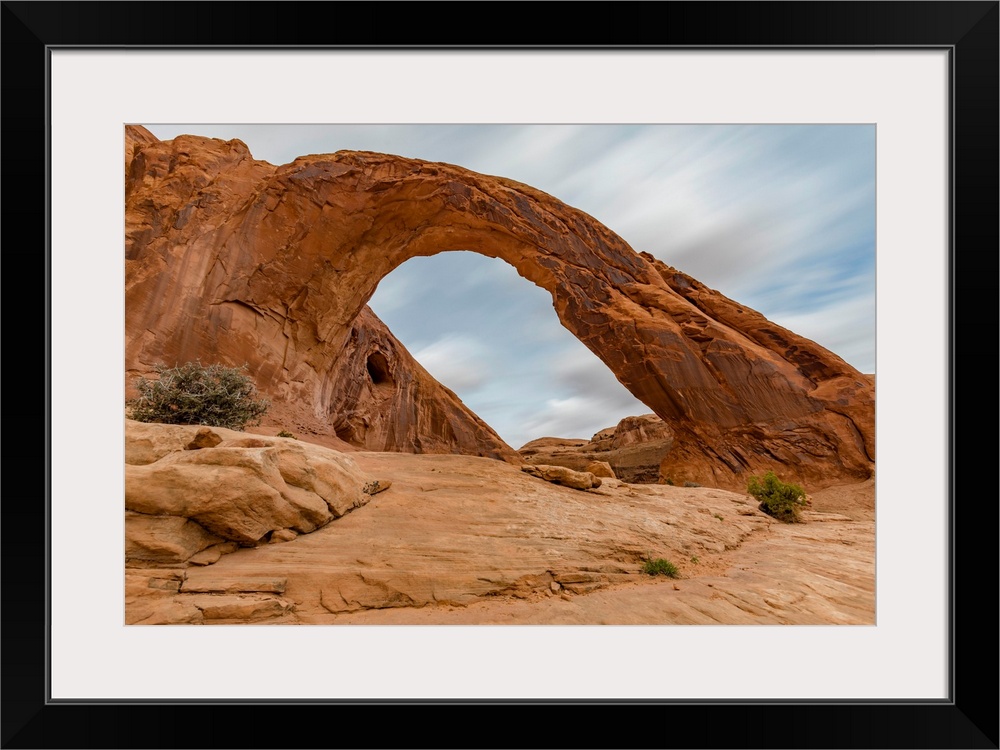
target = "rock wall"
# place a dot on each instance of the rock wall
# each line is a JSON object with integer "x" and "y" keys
{"x": 354, "y": 381}
{"x": 274, "y": 266}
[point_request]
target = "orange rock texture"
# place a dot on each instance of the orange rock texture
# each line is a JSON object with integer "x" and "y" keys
{"x": 187, "y": 212}
{"x": 239, "y": 260}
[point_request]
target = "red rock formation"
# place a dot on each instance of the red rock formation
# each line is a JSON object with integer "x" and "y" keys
{"x": 360, "y": 384}
{"x": 274, "y": 265}
{"x": 634, "y": 449}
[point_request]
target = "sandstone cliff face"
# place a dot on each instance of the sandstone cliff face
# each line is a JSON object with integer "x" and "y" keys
{"x": 274, "y": 265}
{"x": 352, "y": 380}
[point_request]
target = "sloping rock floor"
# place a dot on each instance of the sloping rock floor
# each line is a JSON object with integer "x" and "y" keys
{"x": 463, "y": 540}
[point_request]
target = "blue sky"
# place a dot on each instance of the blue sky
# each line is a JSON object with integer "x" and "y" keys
{"x": 778, "y": 217}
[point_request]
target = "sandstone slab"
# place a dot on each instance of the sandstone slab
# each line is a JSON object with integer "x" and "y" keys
{"x": 223, "y": 584}
{"x": 241, "y": 609}
{"x": 465, "y": 540}
{"x": 241, "y": 489}
{"x": 163, "y": 540}
{"x": 578, "y": 480}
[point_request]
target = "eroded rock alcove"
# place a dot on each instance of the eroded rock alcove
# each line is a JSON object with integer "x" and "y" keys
{"x": 248, "y": 262}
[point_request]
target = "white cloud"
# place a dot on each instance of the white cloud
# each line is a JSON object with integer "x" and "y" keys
{"x": 459, "y": 362}
{"x": 573, "y": 417}
{"x": 394, "y": 292}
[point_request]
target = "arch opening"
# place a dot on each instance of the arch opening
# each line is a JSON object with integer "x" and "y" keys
{"x": 474, "y": 324}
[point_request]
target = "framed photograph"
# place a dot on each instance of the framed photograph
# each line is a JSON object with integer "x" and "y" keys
{"x": 922, "y": 76}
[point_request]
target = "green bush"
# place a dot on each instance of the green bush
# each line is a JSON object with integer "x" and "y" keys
{"x": 659, "y": 567}
{"x": 193, "y": 393}
{"x": 778, "y": 499}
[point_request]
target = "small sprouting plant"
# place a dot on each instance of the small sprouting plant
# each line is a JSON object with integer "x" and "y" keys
{"x": 659, "y": 567}
{"x": 719, "y": 516}
{"x": 779, "y": 499}
{"x": 694, "y": 559}
{"x": 670, "y": 481}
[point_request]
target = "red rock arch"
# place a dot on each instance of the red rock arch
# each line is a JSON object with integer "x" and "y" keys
{"x": 275, "y": 265}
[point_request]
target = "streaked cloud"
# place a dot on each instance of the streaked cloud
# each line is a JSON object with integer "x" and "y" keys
{"x": 572, "y": 417}
{"x": 461, "y": 362}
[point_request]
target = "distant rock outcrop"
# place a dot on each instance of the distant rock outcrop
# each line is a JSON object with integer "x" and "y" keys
{"x": 633, "y": 449}
{"x": 274, "y": 265}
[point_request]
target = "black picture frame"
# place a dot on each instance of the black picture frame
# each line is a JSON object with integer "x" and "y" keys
{"x": 969, "y": 719}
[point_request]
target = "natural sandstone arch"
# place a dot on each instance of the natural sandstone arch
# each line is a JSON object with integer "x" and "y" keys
{"x": 280, "y": 261}
{"x": 496, "y": 340}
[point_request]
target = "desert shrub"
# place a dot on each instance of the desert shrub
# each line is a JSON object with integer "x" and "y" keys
{"x": 778, "y": 499}
{"x": 193, "y": 393}
{"x": 286, "y": 434}
{"x": 659, "y": 567}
